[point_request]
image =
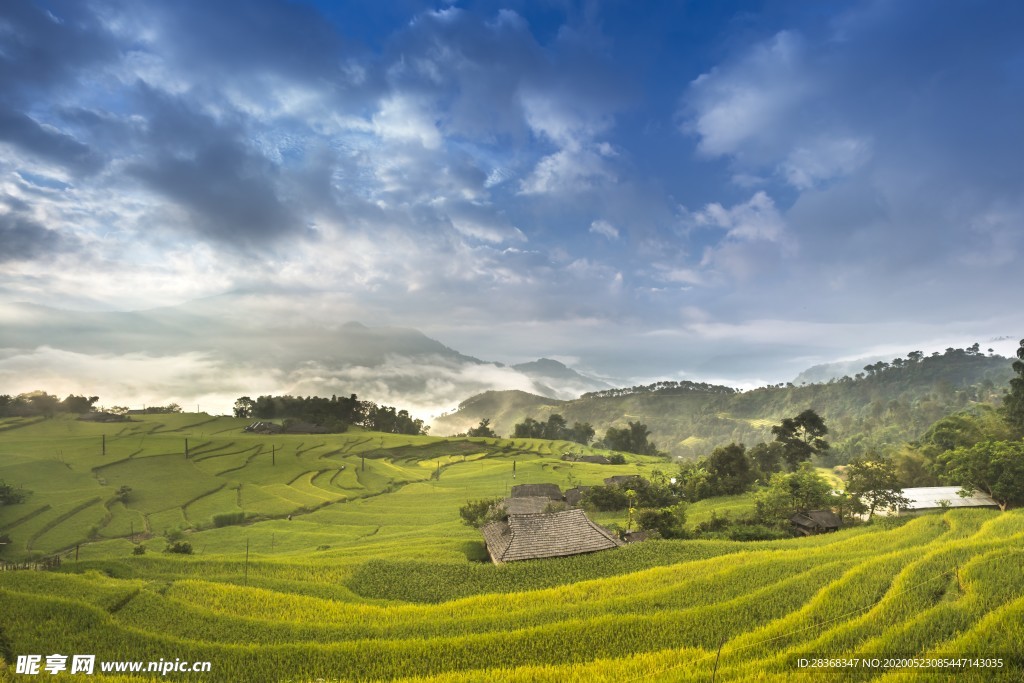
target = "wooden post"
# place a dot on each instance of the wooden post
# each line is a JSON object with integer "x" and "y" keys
{"x": 273, "y": 454}
{"x": 186, "y": 449}
{"x": 76, "y": 553}
{"x": 104, "y": 444}
{"x": 364, "y": 462}
{"x": 246, "y": 561}
{"x": 714, "y": 671}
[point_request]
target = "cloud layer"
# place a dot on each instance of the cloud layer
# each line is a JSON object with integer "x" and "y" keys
{"x": 523, "y": 177}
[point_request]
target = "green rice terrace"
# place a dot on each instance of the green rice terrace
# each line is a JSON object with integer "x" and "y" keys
{"x": 342, "y": 557}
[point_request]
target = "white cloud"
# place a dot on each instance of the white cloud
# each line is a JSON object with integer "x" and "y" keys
{"x": 401, "y": 118}
{"x": 749, "y": 227}
{"x": 733, "y": 105}
{"x": 604, "y": 228}
{"x": 568, "y": 171}
{"x": 756, "y": 219}
{"x": 824, "y": 159}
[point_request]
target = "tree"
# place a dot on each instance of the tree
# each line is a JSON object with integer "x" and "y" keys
{"x": 876, "y": 483}
{"x": 729, "y": 470}
{"x": 244, "y": 407}
{"x": 10, "y": 495}
{"x": 766, "y": 457}
{"x": 669, "y": 522}
{"x": 793, "y": 492}
{"x": 482, "y": 429}
{"x": 78, "y": 404}
{"x": 477, "y": 513}
{"x": 1013, "y": 402}
{"x": 555, "y": 428}
{"x": 581, "y": 432}
{"x": 631, "y": 439}
{"x": 994, "y": 467}
{"x": 528, "y": 429}
{"x": 801, "y": 437}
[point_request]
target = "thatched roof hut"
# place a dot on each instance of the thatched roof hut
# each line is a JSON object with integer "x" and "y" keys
{"x": 558, "y": 534}
{"x": 816, "y": 522}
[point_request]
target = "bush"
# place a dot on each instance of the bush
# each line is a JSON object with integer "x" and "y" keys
{"x": 668, "y": 522}
{"x": 179, "y": 547}
{"x": 228, "y": 518}
{"x": 617, "y": 459}
{"x": 477, "y": 513}
{"x": 715, "y": 524}
{"x": 606, "y": 498}
{"x": 139, "y": 550}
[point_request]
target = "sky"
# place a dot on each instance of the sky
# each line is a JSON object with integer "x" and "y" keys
{"x": 727, "y": 191}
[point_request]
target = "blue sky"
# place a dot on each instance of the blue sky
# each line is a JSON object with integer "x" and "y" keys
{"x": 727, "y": 190}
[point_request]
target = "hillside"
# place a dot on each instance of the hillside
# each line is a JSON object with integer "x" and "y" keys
{"x": 372, "y": 578}
{"x": 876, "y": 409}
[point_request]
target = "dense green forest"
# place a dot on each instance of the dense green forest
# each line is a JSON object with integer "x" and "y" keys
{"x": 875, "y": 411}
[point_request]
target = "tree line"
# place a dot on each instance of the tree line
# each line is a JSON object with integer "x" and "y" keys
{"x": 663, "y": 387}
{"x": 634, "y": 438}
{"x": 42, "y": 404}
{"x": 336, "y": 414}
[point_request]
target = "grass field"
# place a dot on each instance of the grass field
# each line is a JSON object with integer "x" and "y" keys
{"x": 374, "y": 578}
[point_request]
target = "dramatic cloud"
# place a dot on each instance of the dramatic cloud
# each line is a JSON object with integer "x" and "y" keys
{"x": 572, "y": 178}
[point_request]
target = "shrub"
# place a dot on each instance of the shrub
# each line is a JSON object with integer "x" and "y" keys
{"x": 668, "y": 522}
{"x": 228, "y": 518}
{"x": 477, "y": 513}
{"x": 139, "y": 550}
{"x": 180, "y": 547}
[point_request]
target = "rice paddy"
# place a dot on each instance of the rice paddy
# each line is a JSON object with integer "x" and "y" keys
{"x": 343, "y": 559}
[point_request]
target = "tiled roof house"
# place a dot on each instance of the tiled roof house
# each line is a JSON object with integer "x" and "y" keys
{"x": 537, "y": 536}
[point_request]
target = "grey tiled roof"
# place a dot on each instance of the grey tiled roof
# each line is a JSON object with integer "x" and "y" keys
{"x": 574, "y": 495}
{"x": 536, "y": 490}
{"x": 526, "y": 505}
{"x": 820, "y": 519}
{"x": 558, "y": 534}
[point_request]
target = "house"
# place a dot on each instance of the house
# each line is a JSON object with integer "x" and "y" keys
{"x": 537, "y": 491}
{"x": 816, "y": 522}
{"x": 527, "y": 505}
{"x": 941, "y": 497}
{"x": 537, "y": 536}
{"x": 623, "y": 480}
{"x": 574, "y": 495}
{"x": 261, "y": 427}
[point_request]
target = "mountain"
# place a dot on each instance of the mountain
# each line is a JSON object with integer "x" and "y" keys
{"x": 214, "y": 350}
{"x": 560, "y": 380}
{"x": 890, "y": 405}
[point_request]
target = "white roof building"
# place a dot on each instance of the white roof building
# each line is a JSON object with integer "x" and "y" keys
{"x": 935, "y": 497}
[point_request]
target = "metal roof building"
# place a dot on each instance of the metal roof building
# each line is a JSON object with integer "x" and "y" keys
{"x": 935, "y": 497}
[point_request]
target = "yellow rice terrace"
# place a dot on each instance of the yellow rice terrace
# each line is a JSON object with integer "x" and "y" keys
{"x": 341, "y": 557}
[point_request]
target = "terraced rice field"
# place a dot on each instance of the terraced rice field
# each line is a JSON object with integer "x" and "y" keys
{"x": 376, "y": 579}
